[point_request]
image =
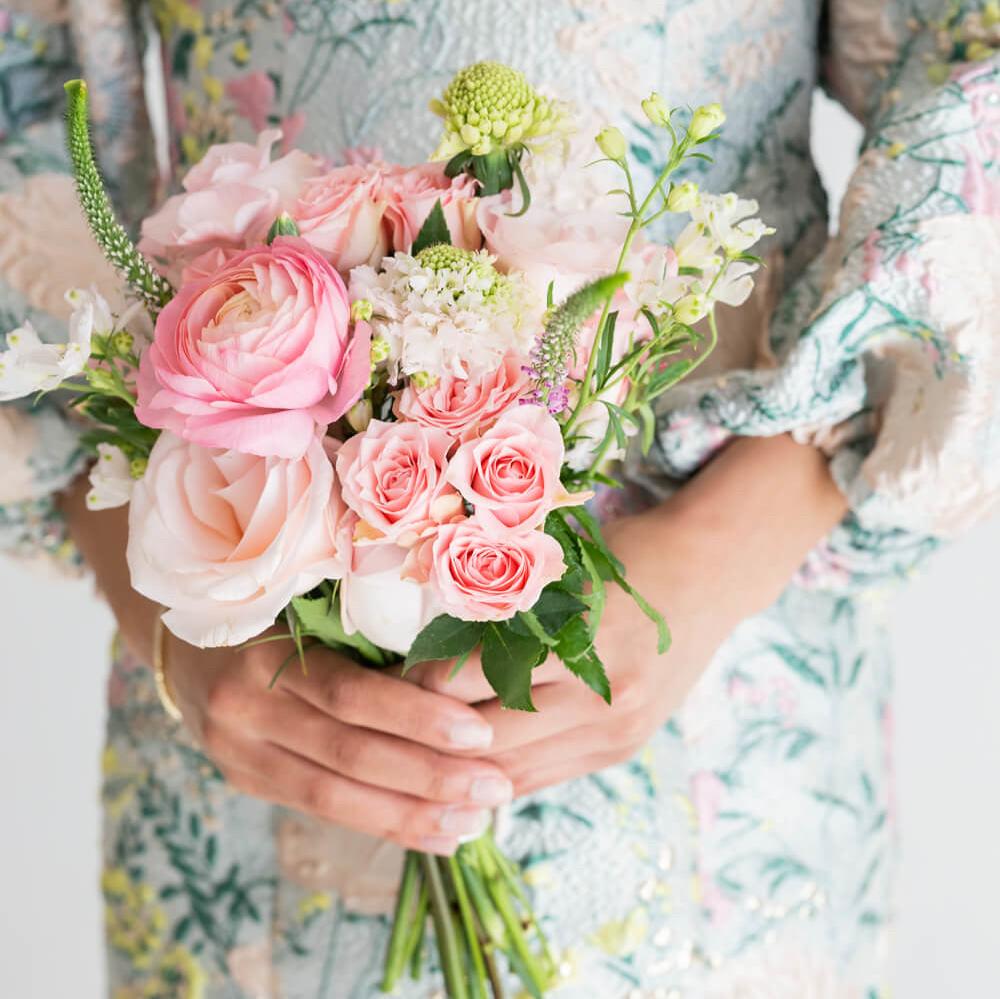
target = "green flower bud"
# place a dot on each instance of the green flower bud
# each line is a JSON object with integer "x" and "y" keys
{"x": 362, "y": 311}
{"x": 102, "y": 380}
{"x": 489, "y": 106}
{"x": 656, "y": 109}
{"x": 380, "y": 350}
{"x": 283, "y": 225}
{"x": 423, "y": 380}
{"x": 137, "y": 467}
{"x": 691, "y": 309}
{"x": 360, "y": 415}
{"x": 612, "y": 143}
{"x": 684, "y": 197}
{"x": 122, "y": 342}
{"x": 706, "y": 120}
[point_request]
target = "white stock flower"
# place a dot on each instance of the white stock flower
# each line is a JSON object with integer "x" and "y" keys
{"x": 727, "y": 217}
{"x": 30, "y": 365}
{"x": 447, "y": 311}
{"x": 111, "y": 479}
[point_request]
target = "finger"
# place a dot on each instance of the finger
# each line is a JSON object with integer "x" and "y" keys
{"x": 560, "y": 708}
{"x": 372, "y": 699}
{"x": 566, "y": 768}
{"x": 275, "y": 774}
{"x": 470, "y": 683}
{"x": 381, "y": 760}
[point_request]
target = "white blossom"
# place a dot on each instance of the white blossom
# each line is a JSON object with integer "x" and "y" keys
{"x": 111, "y": 479}
{"x": 447, "y": 320}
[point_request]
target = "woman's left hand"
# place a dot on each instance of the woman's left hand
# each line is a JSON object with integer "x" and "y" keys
{"x": 574, "y": 731}
{"x": 723, "y": 548}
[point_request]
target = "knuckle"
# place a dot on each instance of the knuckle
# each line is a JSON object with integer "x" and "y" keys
{"x": 319, "y": 797}
{"x": 349, "y": 753}
{"x": 342, "y": 691}
{"x": 629, "y": 697}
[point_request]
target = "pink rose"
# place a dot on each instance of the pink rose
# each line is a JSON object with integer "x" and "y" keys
{"x": 510, "y": 475}
{"x": 553, "y": 244}
{"x": 464, "y": 407}
{"x": 479, "y": 577}
{"x": 257, "y": 356}
{"x": 412, "y": 194}
{"x": 394, "y": 478}
{"x": 341, "y": 214}
{"x": 231, "y": 198}
{"x": 225, "y": 540}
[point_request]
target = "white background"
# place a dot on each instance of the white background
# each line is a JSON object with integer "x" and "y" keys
{"x": 55, "y": 638}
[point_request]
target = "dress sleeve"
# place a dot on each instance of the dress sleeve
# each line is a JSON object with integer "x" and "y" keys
{"x": 46, "y": 248}
{"x": 887, "y": 351}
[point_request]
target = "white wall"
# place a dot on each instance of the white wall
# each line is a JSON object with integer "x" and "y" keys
{"x": 55, "y": 637}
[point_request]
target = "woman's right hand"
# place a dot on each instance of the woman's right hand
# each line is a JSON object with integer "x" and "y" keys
{"x": 356, "y": 747}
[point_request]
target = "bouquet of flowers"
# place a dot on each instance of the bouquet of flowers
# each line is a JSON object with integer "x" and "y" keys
{"x": 372, "y": 402}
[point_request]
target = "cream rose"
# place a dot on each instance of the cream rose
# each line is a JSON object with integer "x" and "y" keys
{"x": 225, "y": 540}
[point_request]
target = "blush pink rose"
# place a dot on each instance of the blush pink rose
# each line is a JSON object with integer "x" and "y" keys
{"x": 561, "y": 246}
{"x": 465, "y": 407}
{"x": 256, "y": 356}
{"x": 230, "y": 199}
{"x": 479, "y": 577}
{"x": 412, "y": 194}
{"x": 510, "y": 475}
{"x": 341, "y": 213}
{"x": 225, "y": 540}
{"x": 393, "y": 477}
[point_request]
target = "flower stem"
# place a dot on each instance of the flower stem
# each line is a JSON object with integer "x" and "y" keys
{"x": 397, "y": 953}
{"x": 478, "y": 980}
{"x": 444, "y": 927}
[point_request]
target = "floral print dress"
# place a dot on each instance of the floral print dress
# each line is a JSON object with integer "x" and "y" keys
{"x": 747, "y": 852}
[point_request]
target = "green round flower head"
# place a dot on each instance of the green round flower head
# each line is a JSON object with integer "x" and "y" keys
{"x": 463, "y": 270}
{"x": 489, "y": 106}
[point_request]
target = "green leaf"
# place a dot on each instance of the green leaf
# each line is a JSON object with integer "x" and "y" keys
{"x": 648, "y": 420}
{"x": 445, "y": 637}
{"x": 575, "y": 647}
{"x": 556, "y": 606}
{"x": 458, "y": 164}
{"x": 569, "y": 540}
{"x": 508, "y": 659}
{"x": 433, "y": 232}
{"x": 319, "y": 618}
{"x": 605, "y": 343}
{"x": 667, "y": 378}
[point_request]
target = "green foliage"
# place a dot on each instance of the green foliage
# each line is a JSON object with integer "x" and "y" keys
{"x": 433, "y": 231}
{"x": 508, "y": 660}
{"x": 318, "y": 617}
{"x": 445, "y": 637}
{"x": 111, "y": 236}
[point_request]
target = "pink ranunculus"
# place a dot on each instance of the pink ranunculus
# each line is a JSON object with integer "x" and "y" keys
{"x": 342, "y": 212}
{"x": 550, "y": 245}
{"x": 510, "y": 475}
{"x": 477, "y": 576}
{"x": 225, "y": 539}
{"x": 412, "y": 193}
{"x": 230, "y": 200}
{"x": 394, "y": 478}
{"x": 256, "y": 356}
{"x": 464, "y": 407}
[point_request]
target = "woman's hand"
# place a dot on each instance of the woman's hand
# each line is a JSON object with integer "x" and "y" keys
{"x": 353, "y": 746}
{"x": 723, "y": 548}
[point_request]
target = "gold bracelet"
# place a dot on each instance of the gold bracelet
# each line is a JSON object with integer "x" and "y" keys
{"x": 160, "y": 672}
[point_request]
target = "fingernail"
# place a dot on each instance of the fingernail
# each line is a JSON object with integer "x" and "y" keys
{"x": 465, "y": 823}
{"x": 491, "y": 791}
{"x": 470, "y": 735}
{"x": 439, "y": 845}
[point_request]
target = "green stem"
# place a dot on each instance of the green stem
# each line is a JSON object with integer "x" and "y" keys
{"x": 416, "y": 946}
{"x": 501, "y": 899}
{"x": 395, "y": 959}
{"x": 444, "y": 928}
{"x": 478, "y": 981}
{"x": 637, "y": 223}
